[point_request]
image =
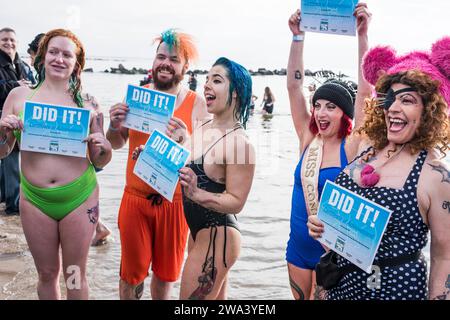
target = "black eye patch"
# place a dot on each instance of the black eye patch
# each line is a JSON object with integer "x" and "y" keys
{"x": 391, "y": 94}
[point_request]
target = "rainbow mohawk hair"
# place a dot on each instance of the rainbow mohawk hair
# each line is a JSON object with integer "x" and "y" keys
{"x": 182, "y": 42}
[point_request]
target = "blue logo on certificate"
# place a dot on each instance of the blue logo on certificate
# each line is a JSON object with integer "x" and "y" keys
{"x": 331, "y": 16}
{"x": 159, "y": 162}
{"x": 354, "y": 225}
{"x": 149, "y": 109}
{"x": 55, "y": 129}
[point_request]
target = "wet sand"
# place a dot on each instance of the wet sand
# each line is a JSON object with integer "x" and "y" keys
{"x": 13, "y": 251}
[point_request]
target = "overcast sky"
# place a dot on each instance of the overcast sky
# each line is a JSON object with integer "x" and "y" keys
{"x": 252, "y": 32}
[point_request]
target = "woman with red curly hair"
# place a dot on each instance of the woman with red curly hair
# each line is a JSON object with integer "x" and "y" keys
{"x": 59, "y": 199}
{"x": 406, "y": 134}
{"x": 325, "y": 145}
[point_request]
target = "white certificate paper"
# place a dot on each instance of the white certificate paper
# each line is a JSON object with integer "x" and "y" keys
{"x": 328, "y": 16}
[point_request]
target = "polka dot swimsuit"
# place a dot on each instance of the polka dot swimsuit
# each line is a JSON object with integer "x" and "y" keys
{"x": 406, "y": 233}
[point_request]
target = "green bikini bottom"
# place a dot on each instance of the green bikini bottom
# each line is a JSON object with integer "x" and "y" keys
{"x": 58, "y": 202}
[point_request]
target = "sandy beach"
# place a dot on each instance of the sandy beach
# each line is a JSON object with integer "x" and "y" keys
{"x": 13, "y": 250}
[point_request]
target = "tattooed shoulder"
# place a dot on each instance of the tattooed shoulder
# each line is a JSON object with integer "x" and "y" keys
{"x": 91, "y": 99}
{"x": 443, "y": 172}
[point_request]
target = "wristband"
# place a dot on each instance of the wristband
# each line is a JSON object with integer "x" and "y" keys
{"x": 298, "y": 38}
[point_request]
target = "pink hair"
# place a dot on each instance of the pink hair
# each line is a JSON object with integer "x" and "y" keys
{"x": 435, "y": 64}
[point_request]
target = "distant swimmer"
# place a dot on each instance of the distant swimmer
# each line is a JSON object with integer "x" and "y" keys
{"x": 252, "y": 104}
{"x": 268, "y": 102}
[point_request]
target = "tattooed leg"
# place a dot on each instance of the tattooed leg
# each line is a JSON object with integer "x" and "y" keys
{"x": 206, "y": 281}
{"x": 444, "y": 295}
{"x": 138, "y": 291}
{"x": 319, "y": 293}
{"x": 296, "y": 288}
{"x": 93, "y": 214}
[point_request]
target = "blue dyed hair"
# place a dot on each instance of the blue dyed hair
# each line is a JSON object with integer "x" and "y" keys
{"x": 170, "y": 38}
{"x": 241, "y": 82}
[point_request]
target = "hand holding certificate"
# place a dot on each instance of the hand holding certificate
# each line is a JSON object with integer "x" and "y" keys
{"x": 55, "y": 129}
{"x": 328, "y": 16}
{"x": 353, "y": 225}
{"x": 159, "y": 162}
{"x": 148, "y": 109}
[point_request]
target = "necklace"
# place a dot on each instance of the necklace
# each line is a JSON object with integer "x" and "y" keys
{"x": 369, "y": 176}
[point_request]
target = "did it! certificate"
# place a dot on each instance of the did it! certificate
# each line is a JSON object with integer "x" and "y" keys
{"x": 149, "y": 109}
{"x": 354, "y": 225}
{"x": 55, "y": 129}
{"x": 328, "y": 16}
{"x": 159, "y": 162}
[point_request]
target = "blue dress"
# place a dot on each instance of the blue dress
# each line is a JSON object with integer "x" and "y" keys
{"x": 302, "y": 250}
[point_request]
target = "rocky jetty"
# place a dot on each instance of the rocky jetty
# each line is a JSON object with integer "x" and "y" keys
{"x": 260, "y": 72}
{"x": 122, "y": 70}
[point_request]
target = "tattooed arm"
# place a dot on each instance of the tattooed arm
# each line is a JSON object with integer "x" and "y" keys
{"x": 295, "y": 75}
{"x": 439, "y": 222}
{"x": 238, "y": 181}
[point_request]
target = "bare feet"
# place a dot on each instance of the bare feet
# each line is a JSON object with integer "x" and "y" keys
{"x": 101, "y": 235}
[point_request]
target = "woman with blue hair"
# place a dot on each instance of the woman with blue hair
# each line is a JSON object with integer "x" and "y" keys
{"x": 217, "y": 181}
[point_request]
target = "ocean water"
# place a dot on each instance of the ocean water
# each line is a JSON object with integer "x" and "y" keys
{"x": 261, "y": 271}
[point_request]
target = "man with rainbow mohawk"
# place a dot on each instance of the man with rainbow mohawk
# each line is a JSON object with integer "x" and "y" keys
{"x": 153, "y": 231}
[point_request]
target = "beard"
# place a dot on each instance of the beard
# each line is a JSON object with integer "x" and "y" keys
{"x": 166, "y": 84}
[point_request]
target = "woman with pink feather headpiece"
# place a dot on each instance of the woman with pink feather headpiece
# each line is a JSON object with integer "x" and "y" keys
{"x": 400, "y": 166}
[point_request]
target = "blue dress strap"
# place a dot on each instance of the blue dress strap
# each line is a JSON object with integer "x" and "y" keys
{"x": 344, "y": 160}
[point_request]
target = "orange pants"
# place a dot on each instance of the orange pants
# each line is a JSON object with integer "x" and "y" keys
{"x": 151, "y": 234}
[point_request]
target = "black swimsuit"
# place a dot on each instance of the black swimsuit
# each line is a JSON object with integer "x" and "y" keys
{"x": 199, "y": 217}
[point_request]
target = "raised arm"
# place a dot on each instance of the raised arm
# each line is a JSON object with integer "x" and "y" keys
{"x": 295, "y": 76}
{"x": 439, "y": 223}
{"x": 363, "y": 18}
